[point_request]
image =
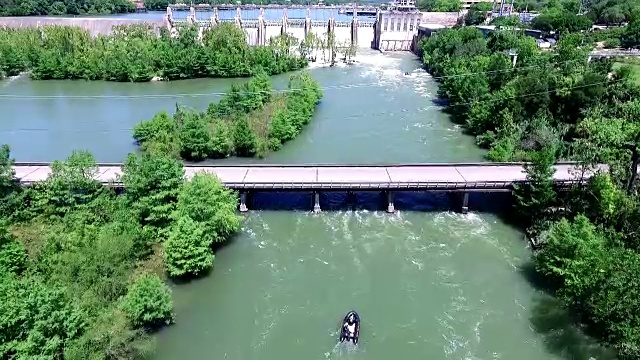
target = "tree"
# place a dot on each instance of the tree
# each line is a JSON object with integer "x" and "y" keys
{"x": 206, "y": 200}
{"x": 71, "y": 183}
{"x": 187, "y": 251}
{"x": 148, "y": 302}
{"x": 8, "y": 185}
{"x": 438, "y": 5}
{"x": 13, "y": 255}
{"x": 244, "y": 139}
{"x": 152, "y": 183}
{"x": 537, "y": 195}
{"x": 195, "y": 139}
{"x": 631, "y": 36}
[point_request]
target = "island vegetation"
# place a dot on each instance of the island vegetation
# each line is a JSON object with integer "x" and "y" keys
{"x": 249, "y": 120}
{"x": 546, "y": 106}
{"x": 83, "y": 269}
{"x": 137, "y": 53}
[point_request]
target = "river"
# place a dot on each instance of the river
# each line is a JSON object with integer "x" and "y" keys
{"x": 429, "y": 283}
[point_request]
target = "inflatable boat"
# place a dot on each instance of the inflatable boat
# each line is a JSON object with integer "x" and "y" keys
{"x": 350, "y": 329}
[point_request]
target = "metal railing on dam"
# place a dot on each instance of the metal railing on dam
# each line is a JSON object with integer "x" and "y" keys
{"x": 458, "y": 177}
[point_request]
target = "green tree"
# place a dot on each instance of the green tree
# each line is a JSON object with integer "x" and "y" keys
{"x": 535, "y": 197}
{"x": 71, "y": 183}
{"x": 244, "y": 139}
{"x": 631, "y": 36}
{"x": 152, "y": 183}
{"x": 195, "y": 139}
{"x": 187, "y": 251}
{"x": 13, "y": 255}
{"x": 148, "y": 302}
{"x": 206, "y": 200}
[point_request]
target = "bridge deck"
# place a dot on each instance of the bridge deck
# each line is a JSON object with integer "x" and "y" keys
{"x": 473, "y": 177}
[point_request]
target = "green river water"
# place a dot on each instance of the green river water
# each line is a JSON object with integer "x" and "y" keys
{"x": 428, "y": 283}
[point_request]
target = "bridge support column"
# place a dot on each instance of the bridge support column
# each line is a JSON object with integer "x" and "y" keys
{"x": 316, "y": 202}
{"x": 262, "y": 28}
{"x": 238, "y": 18}
{"x": 331, "y": 38}
{"x": 243, "y": 202}
{"x": 464, "y": 197}
{"x": 307, "y": 24}
{"x": 191, "y": 19}
{"x": 354, "y": 30}
{"x": 390, "y": 207}
{"x": 283, "y": 28}
{"x": 168, "y": 19}
{"x": 215, "y": 19}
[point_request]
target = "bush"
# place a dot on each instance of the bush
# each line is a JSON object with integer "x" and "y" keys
{"x": 612, "y": 43}
{"x": 148, "y": 302}
{"x": 187, "y": 251}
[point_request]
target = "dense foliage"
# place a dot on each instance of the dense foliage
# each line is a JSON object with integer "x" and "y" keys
{"x": 248, "y": 121}
{"x": 137, "y": 53}
{"x": 555, "y": 105}
{"x": 64, "y": 7}
{"x": 81, "y": 266}
{"x": 438, "y": 5}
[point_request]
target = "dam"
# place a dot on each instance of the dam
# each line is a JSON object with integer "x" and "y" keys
{"x": 354, "y": 32}
{"x": 386, "y": 31}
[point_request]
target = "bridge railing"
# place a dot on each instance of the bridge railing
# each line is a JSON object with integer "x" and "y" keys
{"x": 323, "y": 165}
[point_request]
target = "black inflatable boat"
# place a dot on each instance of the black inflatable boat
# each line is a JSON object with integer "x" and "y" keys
{"x": 350, "y": 329}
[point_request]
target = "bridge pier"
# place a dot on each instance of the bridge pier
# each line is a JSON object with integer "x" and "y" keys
{"x": 464, "y": 200}
{"x": 243, "y": 202}
{"x": 354, "y": 28}
{"x": 191, "y": 19}
{"x": 262, "y": 29}
{"x": 238, "y": 18}
{"x": 283, "y": 29}
{"x": 390, "y": 207}
{"x": 316, "y": 202}
{"x": 307, "y": 24}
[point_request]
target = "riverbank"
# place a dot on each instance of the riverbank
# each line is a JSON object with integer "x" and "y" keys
{"x": 543, "y": 109}
{"x": 82, "y": 267}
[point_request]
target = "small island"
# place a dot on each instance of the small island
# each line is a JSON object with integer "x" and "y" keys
{"x": 250, "y": 120}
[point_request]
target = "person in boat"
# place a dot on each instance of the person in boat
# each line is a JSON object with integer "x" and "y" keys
{"x": 350, "y": 325}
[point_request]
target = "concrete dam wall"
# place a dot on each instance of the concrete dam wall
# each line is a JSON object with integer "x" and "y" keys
{"x": 95, "y": 26}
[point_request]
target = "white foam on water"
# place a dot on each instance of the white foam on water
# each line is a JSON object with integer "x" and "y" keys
{"x": 11, "y": 79}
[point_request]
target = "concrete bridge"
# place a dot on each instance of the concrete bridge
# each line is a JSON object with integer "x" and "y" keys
{"x": 459, "y": 179}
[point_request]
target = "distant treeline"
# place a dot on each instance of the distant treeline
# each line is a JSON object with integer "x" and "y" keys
{"x": 66, "y": 7}
{"x": 136, "y": 53}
